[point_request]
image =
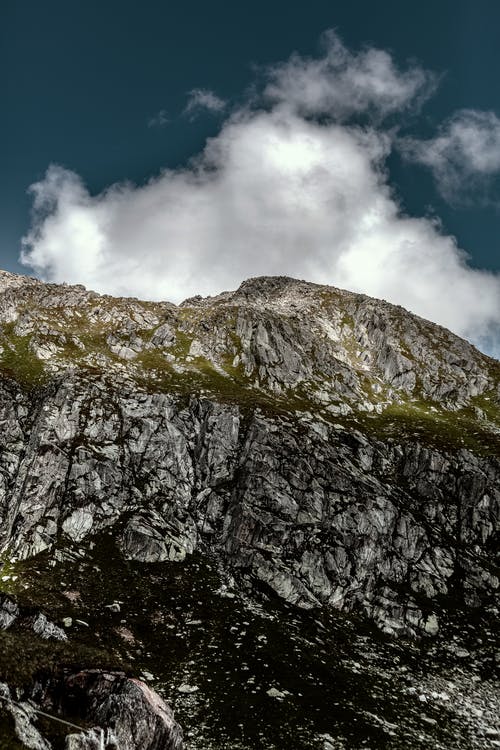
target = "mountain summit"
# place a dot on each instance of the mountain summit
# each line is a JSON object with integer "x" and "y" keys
{"x": 274, "y": 337}
{"x": 287, "y": 453}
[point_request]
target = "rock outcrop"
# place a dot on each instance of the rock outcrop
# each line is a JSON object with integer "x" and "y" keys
{"x": 123, "y": 713}
{"x": 362, "y": 512}
{"x": 330, "y": 448}
{"x": 130, "y": 714}
{"x": 11, "y": 616}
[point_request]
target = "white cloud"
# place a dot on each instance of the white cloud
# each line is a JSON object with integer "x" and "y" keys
{"x": 159, "y": 120}
{"x": 274, "y": 193}
{"x": 203, "y": 99}
{"x": 464, "y": 154}
{"x": 342, "y": 84}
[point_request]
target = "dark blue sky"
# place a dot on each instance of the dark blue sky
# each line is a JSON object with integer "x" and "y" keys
{"x": 80, "y": 81}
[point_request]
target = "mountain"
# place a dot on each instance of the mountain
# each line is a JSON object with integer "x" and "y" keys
{"x": 280, "y": 506}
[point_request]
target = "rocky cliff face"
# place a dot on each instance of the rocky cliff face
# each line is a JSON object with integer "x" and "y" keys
{"x": 325, "y": 447}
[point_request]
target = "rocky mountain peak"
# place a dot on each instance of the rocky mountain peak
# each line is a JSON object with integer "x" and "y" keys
{"x": 300, "y": 345}
{"x": 200, "y": 488}
{"x": 269, "y": 287}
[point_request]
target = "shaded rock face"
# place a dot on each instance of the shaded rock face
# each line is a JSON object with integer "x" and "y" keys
{"x": 131, "y": 715}
{"x": 351, "y": 522}
{"x": 122, "y": 711}
{"x": 321, "y": 514}
{"x": 24, "y": 720}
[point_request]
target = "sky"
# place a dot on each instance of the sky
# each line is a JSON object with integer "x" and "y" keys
{"x": 162, "y": 150}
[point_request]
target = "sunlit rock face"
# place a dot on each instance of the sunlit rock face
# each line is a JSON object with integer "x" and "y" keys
{"x": 322, "y": 514}
{"x": 329, "y": 449}
{"x": 332, "y": 446}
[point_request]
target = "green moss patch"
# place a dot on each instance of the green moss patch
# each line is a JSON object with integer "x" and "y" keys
{"x": 18, "y": 362}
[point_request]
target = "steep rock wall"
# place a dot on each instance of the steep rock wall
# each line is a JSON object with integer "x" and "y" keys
{"x": 321, "y": 514}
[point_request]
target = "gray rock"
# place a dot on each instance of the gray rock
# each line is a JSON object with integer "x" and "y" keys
{"x": 47, "y": 630}
{"x": 24, "y": 717}
{"x": 340, "y": 515}
{"x": 187, "y": 689}
{"x": 9, "y": 611}
{"x": 89, "y": 740}
{"x": 275, "y": 693}
{"x": 127, "y": 709}
{"x": 431, "y": 625}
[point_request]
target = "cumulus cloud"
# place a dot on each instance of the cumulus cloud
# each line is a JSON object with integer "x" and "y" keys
{"x": 464, "y": 154}
{"x": 203, "y": 99}
{"x": 341, "y": 84}
{"x": 277, "y": 191}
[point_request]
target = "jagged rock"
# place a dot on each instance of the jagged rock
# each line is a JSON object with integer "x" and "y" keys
{"x": 24, "y": 717}
{"x": 9, "y": 611}
{"x": 125, "y": 712}
{"x": 11, "y": 614}
{"x": 89, "y": 740}
{"x": 187, "y": 689}
{"x": 322, "y": 445}
{"x": 275, "y": 693}
{"x": 125, "y": 708}
{"x": 322, "y": 513}
{"x": 47, "y": 630}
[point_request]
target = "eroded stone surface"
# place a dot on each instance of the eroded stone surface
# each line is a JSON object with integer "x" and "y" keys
{"x": 323, "y": 513}
{"x": 321, "y": 445}
{"x": 320, "y": 514}
{"x": 131, "y": 714}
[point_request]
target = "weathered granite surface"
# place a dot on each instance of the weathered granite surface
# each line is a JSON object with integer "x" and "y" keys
{"x": 122, "y": 711}
{"x": 324, "y": 446}
{"x": 325, "y": 512}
